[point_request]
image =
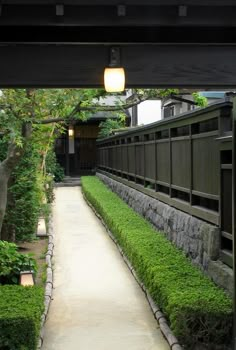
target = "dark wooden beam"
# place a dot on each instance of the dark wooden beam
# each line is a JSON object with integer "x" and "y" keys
{"x": 234, "y": 217}
{"x": 110, "y": 35}
{"x": 46, "y": 14}
{"x": 185, "y": 66}
{"x": 127, "y": 2}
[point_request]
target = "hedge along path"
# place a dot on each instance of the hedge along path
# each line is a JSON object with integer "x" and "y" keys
{"x": 199, "y": 312}
{"x": 164, "y": 327}
{"x": 20, "y": 316}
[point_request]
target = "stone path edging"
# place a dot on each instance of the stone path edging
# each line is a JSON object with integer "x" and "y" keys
{"x": 164, "y": 327}
{"x": 49, "y": 281}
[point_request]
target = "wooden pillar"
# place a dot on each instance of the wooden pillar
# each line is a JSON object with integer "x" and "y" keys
{"x": 234, "y": 216}
{"x": 67, "y": 170}
{"x": 134, "y": 121}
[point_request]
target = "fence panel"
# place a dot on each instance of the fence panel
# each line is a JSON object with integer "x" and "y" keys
{"x": 206, "y": 165}
{"x": 150, "y": 166}
{"x": 139, "y": 160}
{"x": 181, "y": 169}
{"x": 163, "y": 161}
{"x": 124, "y": 156}
{"x": 131, "y": 159}
{"x": 183, "y": 161}
{"x": 119, "y": 160}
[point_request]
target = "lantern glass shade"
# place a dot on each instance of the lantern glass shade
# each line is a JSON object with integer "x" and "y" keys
{"x": 26, "y": 278}
{"x": 114, "y": 79}
{"x": 71, "y": 132}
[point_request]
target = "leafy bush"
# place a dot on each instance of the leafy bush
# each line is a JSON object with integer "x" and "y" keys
{"x": 20, "y": 317}
{"x": 12, "y": 262}
{"x": 53, "y": 167}
{"x": 198, "y": 311}
{"x": 25, "y": 196}
{"x": 59, "y": 173}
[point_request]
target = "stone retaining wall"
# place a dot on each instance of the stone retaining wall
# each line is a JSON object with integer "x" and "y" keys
{"x": 198, "y": 239}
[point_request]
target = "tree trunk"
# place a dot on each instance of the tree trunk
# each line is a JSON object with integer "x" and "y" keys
{"x": 4, "y": 177}
{"x": 8, "y": 232}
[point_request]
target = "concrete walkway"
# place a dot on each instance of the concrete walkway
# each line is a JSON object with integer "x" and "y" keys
{"x": 97, "y": 304}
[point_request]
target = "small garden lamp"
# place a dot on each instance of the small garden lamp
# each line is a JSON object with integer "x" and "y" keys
{"x": 27, "y": 278}
{"x": 114, "y": 75}
{"x": 71, "y": 131}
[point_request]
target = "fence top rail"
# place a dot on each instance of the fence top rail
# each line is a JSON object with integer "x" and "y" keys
{"x": 169, "y": 122}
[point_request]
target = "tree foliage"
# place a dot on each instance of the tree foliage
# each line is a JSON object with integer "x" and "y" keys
{"x": 31, "y": 119}
{"x": 108, "y": 126}
{"x": 25, "y": 196}
{"x": 199, "y": 100}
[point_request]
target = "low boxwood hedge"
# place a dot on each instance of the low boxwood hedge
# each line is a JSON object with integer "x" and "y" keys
{"x": 198, "y": 311}
{"x": 20, "y": 316}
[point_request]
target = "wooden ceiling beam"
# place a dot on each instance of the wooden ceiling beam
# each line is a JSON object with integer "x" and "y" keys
{"x": 87, "y": 16}
{"x": 126, "y": 2}
{"x": 182, "y": 66}
{"x": 124, "y": 35}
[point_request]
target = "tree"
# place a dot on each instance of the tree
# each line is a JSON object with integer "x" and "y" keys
{"x": 39, "y": 114}
{"x": 108, "y": 126}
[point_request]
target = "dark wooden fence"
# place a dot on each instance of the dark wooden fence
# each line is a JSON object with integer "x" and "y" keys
{"x": 185, "y": 161}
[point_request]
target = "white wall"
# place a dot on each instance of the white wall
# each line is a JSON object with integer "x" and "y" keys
{"x": 149, "y": 112}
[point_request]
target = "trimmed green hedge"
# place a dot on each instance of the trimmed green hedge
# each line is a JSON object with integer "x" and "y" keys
{"x": 198, "y": 311}
{"x": 20, "y": 316}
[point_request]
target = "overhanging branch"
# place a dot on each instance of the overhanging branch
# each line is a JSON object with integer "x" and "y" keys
{"x": 95, "y": 108}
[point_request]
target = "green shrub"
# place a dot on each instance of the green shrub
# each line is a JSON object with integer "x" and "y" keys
{"x": 53, "y": 167}
{"x": 198, "y": 311}
{"x": 24, "y": 197}
{"x": 59, "y": 173}
{"x": 12, "y": 262}
{"x": 20, "y": 316}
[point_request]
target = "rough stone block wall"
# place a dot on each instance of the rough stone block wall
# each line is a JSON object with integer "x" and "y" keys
{"x": 198, "y": 239}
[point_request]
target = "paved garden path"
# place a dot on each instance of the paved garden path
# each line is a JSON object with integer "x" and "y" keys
{"x": 97, "y": 304}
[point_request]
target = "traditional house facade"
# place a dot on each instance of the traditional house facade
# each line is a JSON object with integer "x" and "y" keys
{"x": 173, "y": 106}
{"x": 76, "y": 148}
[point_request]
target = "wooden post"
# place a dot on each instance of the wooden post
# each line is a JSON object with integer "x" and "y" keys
{"x": 156, "y": 170}
{"x": 191, "y": 164}
{"x": 170, "y": 160}
{"x": 234, "y": 216}
{"x": 67, "y": 155}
